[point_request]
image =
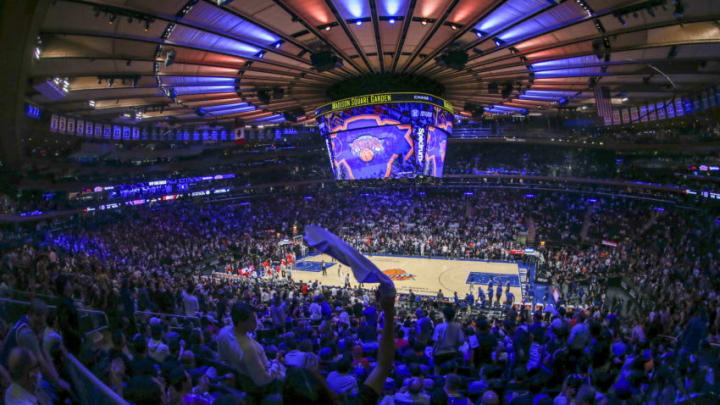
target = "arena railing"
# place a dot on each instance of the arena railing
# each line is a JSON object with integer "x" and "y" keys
{"x": 90, "y": 320}
{"x": 164, "y": 315}
{"x": 88, "y": 387}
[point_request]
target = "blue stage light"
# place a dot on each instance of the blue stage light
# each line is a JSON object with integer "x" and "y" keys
{"x": 391, "y": 20}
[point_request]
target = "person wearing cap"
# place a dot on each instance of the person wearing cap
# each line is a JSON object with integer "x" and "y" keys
{"x": 241, "y": 351}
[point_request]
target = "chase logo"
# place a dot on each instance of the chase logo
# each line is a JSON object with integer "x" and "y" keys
{"x": 365, "y": 147}
{"x": 398, "y": 274}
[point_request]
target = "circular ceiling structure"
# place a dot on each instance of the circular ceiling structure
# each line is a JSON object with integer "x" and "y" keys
{"x": 269, "y": 61}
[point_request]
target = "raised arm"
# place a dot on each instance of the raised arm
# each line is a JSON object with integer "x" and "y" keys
{"x": 386, "y": 353}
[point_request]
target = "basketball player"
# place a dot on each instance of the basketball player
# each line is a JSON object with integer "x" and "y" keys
{"x": 324, "y": 269}
{"x": 490, "y": 294}
{"x": 340, "y": 271}
{"x": 499, "y": 293}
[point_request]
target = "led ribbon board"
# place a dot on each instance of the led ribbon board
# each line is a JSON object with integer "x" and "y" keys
{"x": 384, "y": 98}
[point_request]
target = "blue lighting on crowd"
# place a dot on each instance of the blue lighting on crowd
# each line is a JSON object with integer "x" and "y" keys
{"x": 529, "y": 195}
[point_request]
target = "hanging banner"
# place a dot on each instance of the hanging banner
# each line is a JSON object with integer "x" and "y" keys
{"x": 70, "y": 128}
{"x": 54, "y": 123}
{"x": 61, "y": 125}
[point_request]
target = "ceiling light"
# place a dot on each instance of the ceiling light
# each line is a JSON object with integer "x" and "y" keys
{"x": 37, "y": 52}
{"x": 358, "y": 22}
{"x": 91, "y": 103}
{"x": 260, "y": 54}
{"x": 624, "y": 99}
{"x": 392, "y": 20}
{"x": 498, "y": 42}
{"x": 278, "y": 44}
{"x": 327, "y": 28}
{"x": 423, "y": 22}
{"x": 453, "y": 26}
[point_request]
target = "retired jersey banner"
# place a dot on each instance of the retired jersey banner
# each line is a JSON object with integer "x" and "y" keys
{"x": 80, "y": 127}
{"x": 61, "y": 124}
{"x": 54, "y": 123}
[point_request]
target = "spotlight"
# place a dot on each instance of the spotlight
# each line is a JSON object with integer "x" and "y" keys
{"x": 498, "y": 42}
{"x": 423, "y": 22}
{"x": 358, "y": 22}
{"x": 392, "y": 20}
{"x": 453, "y": 27}
{"x": 37, "y": 52}
{"x": 91, "y": 103}
{"x": 260, "y": 54}
{"x": 328, "y": 27}
{"x": 478, "y": 33}
{"x": 278, "y": 44}
{"x": 624, "y": 99}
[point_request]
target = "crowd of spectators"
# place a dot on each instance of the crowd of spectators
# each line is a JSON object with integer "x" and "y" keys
{"x": 177, "y": 335}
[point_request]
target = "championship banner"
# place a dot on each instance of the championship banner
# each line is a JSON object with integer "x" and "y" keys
{"x": 70, "y": 126}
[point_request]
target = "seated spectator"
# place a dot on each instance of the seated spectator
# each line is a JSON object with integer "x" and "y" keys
{"x": 24, "y": 372}
{"x": 241, "y": 351}
{"x": 340, "y": 381}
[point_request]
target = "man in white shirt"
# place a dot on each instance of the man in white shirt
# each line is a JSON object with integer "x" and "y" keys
{"x": 190, "y": 302}
{"x": 241, "y": 351}
{"x": 340, "y": 381}
{"x": 315, "y": 310}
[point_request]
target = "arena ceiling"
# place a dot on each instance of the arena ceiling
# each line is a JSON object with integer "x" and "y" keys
{"x": 249, "y": 60}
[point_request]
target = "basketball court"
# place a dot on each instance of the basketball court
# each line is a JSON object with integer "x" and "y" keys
{"x": 425, "y": 276}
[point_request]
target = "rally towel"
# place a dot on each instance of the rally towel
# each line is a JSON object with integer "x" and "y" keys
{"x": 363, "y": 269}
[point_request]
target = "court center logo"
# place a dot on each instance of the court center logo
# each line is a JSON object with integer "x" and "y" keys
{"x": 398, "y": 274}
{"x": 366, "y": 146}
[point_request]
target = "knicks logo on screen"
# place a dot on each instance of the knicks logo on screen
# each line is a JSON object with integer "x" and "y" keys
{"x": 398, "y": 274}
{"x": 366, "y": 146}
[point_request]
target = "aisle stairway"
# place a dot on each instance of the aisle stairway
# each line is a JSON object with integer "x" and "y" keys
{"x": 587, "y": 221}
{"x": 532, "y": 231}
